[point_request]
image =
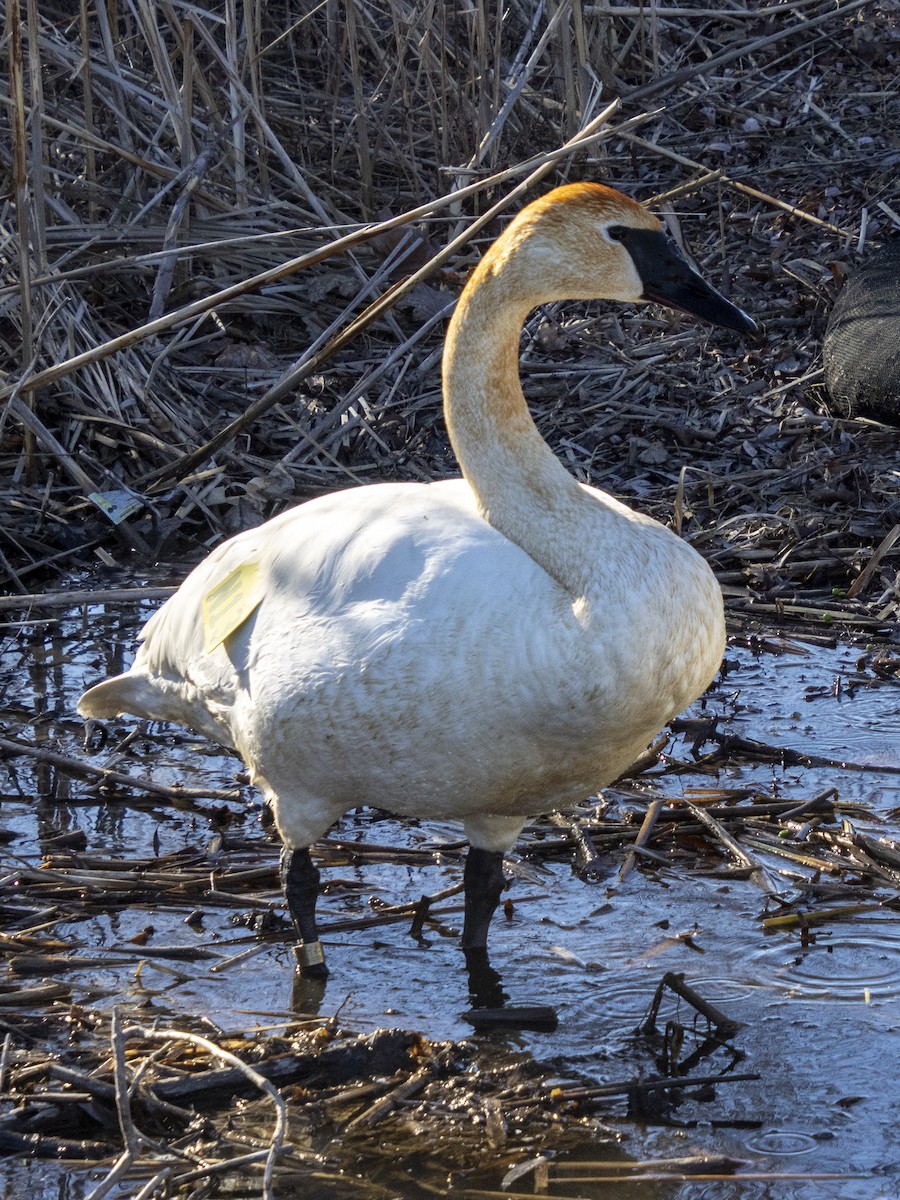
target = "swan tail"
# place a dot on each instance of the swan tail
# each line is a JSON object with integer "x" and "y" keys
{"x": 122, "y": 694}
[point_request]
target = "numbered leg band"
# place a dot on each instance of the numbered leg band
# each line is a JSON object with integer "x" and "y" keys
{"x": 309, "y": 954}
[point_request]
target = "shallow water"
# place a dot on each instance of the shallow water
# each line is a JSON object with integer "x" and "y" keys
{"x": 819, "y": 1021}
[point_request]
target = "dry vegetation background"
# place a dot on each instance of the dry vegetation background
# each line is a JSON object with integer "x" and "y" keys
{"x": 165, "y": 160}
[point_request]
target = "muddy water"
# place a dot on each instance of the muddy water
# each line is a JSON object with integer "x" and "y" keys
{"x": 820, "y": 1023}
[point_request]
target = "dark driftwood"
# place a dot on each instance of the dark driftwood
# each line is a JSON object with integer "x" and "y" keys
{"x": 38, "y": 1145}
{"x": 380, "y": 1053}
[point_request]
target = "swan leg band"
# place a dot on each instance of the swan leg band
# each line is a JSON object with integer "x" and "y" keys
{"x": 309, "y": 954}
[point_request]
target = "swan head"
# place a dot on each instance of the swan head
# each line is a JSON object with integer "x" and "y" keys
{"x": 585, "y": 241}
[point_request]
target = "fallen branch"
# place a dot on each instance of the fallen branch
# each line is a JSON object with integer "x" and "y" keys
{"x": 72, "y": 766}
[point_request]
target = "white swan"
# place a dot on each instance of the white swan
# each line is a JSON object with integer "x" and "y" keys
{"x": 482, "y": 648}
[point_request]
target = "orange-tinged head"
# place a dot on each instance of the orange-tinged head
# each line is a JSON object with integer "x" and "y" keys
{"x": 586, "y": 241}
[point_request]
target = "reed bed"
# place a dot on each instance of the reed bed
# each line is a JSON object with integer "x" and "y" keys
{"x": 349, "y": 1102}
{"x": 225, "y": 274}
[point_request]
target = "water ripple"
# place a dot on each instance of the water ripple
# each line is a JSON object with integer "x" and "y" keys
{"x": 781, "y": 1141}
{"x": 842, "y": 966}
{"x": 627, "y": 1000}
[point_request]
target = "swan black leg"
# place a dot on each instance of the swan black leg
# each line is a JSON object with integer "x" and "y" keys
{"x": 484, "y": 881}
{"x": 300, "y": 881}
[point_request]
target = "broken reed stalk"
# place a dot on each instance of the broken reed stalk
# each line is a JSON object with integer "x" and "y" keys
{"x": 738, "y": 186}
{"x": 647, "y": 826}
{"x": 697, "y": 1164}
{"x": 624, "y": 1087}
{"x": 81, "y": 597}
{"x": 113, "y": 1178}
{"x": 865, "y": 576}
{"x": 404, "y": 1090}
{"x": 724, "y": 1026}
{"x": 587, "y": 861}
{"x": 673, "y": 1177}
{"x": 734, "y": 848}
{"x": 16, "y": 60}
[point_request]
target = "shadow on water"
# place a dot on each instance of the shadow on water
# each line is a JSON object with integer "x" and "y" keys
{"x": 819, "y": 1010}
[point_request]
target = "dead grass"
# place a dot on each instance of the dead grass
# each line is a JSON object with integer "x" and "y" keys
{"x": 167, "y": 162}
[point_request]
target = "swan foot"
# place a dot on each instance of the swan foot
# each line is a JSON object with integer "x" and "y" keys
{"x": 300, "y": 881}
{"x": 483, "y": 882}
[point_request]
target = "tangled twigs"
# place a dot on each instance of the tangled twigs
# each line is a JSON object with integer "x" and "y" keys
{"x": 134, "y": 1141}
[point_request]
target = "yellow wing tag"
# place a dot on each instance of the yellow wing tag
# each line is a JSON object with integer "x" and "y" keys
{"x": 230, "y": 603}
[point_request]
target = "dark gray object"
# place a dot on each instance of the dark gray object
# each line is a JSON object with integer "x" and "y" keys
{"x": 862, "y": 341}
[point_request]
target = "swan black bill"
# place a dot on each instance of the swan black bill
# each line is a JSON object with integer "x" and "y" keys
{"x": 668, "y": 279}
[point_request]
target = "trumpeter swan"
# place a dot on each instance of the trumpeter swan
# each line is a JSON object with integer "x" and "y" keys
{"x": 481, "y": 648}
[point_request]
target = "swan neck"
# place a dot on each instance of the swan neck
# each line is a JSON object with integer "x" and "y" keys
{"x": 520, "y": 486}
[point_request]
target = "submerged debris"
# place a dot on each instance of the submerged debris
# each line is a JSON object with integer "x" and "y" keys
{"x": 307, "y": 1100}
{"x": 179, "y": 1110}
{"x": 301, "y": 1104}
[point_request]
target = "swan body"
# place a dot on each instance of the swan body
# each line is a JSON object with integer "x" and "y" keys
{"x": 523, "y": 693}
{"x": 481, "y": 648}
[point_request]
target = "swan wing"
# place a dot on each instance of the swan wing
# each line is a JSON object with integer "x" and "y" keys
{"x": 340, "y": 579}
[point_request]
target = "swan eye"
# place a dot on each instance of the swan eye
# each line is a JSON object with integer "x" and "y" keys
{"x": 616, "y": 233}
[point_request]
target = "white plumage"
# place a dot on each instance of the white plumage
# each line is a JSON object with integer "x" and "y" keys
{"x": 481, "y": 648}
